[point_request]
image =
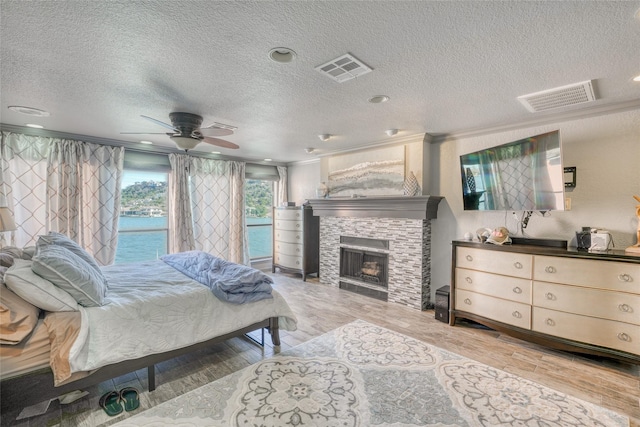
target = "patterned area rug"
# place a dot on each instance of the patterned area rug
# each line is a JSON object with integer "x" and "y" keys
{"x": 365, "y": 375}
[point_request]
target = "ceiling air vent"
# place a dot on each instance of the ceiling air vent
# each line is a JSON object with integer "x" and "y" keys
{"x": 577, "y": 93}
{"x": 344, "y": 68}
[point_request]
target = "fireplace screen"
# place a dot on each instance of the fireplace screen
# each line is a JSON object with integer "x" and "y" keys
{"x": 365, "y": 266}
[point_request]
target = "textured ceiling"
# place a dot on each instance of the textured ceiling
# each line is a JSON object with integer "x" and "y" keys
{"x": 448, "y": 67}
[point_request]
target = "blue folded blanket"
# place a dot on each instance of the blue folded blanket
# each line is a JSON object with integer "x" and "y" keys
{"x": 231, "y": 282}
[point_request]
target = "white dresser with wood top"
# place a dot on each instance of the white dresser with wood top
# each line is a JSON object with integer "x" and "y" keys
{"x": 577, "y": 301}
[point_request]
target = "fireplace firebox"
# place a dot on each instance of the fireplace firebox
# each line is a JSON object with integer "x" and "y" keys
{"x": 364, "y": 266}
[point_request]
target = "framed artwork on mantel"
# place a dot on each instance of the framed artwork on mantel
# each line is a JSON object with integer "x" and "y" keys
{"x": 377, "y": 172}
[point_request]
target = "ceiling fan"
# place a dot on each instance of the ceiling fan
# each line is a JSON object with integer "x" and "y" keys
{"x": 186, "y": 132}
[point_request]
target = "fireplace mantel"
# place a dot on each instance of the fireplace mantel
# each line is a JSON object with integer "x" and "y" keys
{"x": 414, "y": 207}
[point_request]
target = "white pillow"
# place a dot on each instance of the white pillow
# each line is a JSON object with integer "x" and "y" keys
{"x": 71, "y": 273}
{"x": 36, "y": 290}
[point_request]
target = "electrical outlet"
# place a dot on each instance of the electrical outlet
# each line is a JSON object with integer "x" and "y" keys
{"x": 567, "y": 204}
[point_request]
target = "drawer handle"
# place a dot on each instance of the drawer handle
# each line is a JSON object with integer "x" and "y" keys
{"x": 625, "y": 307}
{"x": 469, "y": 258}
{"x": 550, "y": 296}
{"x": 467, "y": 301}
{"x": 517, "y": 290}
{"x": 468, "y": 279}
{"x": 517, "y": 315}
{"x": 550, "y": 269}
{"x": 624, "y": 277}
{"x": 297, "y": 225}
{"x": 624, "y": 337}
{"x": 518, "y": 265}
{"x": 550, "y": 322}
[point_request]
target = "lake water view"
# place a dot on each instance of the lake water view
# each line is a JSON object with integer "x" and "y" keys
{"x": 142, "y": 245}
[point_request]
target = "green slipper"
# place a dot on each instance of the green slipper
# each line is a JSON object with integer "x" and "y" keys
{"x": 130, "y": 397}
{"x": 110, "y": 402}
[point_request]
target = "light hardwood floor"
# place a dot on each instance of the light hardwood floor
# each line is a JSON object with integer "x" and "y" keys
{"x": 321, "y": 308}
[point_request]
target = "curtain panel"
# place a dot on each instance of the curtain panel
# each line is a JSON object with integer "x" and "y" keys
{"x": 83, "y": 195}
{"x": 207, "y": 205}
{"x": 281, "y": 194}
{"x": 23, "y": 185}
{"x": 180, "y": 217}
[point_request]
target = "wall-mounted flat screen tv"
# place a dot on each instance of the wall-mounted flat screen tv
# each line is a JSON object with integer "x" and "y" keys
{"x": 523, "y": 175}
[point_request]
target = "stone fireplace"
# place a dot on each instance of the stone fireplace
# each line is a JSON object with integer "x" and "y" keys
{"x": 379, "y": 247}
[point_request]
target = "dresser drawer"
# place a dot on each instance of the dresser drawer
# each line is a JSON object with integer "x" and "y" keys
{"x": 509, "y": 312}
{"x": 606, "y": 333}
{"x": 288, "y": 214}
{"x": 290, "y": 261}
{"x": 587, "y": 301}
{"x": 505, "y": 263}
{"x": 281, "y": 224}
{"x": 288, "y": 236}
{"x": 619, "y": 276}
{"x": 288, "y": 248}
{"x": 511, "y": 288}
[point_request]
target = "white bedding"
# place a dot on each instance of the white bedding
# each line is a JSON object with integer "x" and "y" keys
{"x": 152, "y": 308}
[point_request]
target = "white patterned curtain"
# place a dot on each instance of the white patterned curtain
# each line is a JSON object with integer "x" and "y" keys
{"x": 216, "y": 205}
{"x": 180, "y": 217}
{"x": 23, "y": 185}
{"x": 83, "y": 195}
{"x": 281, "y": 194}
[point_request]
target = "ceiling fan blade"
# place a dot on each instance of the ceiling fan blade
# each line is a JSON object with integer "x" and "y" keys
{"x": 220, "y": 142}
{"x": 158, "y": 122}
{"x": 142, "y": 133}
{"x": 215, "y": 131}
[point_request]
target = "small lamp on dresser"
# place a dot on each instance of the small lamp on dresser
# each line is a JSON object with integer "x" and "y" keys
{"x": 6, "y": 222}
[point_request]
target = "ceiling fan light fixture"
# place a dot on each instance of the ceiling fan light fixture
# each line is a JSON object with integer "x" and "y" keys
{"x": 185, "y": 142}
{"x": 282, "y": 55}
{"x": 325, "y": 136}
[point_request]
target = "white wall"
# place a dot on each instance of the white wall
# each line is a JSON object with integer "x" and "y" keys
{"x": 606, "y": 152}
{"x": 605, "y": 149}
{"x": 303, "y": 180}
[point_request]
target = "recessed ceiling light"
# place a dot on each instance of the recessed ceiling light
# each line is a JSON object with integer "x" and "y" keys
{"x": 35, "y": 126}
{"x": 325, "y": 136}
{"x": 378, "y": 99}
{"x": 636, "y": 78}
{"x": 267, "y": 160}
{"x": 29, "y": 111}
{"x": 146, "y": 142}
{"x": 391, "y": 132}
{"x": 282, "y": 55}
{"x": 215, "y": 152}
{"x": 309, "y": 150}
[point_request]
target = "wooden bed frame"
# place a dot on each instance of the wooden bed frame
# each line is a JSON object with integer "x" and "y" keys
{"x": 29, "y": 389}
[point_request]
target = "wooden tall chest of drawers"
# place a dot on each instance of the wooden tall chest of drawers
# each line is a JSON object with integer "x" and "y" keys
{"x": 578, "y": 301}
{"x": 296, "y": 240}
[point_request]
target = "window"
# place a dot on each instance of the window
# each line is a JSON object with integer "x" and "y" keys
{"x": 258, "y": 210}
{"x": 143, "y": 225}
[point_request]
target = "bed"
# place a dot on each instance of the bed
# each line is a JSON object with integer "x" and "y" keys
{"x": 149, "y": 312}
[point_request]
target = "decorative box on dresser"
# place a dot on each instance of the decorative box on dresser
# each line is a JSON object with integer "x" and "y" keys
{"x": 567, "y": 299}
{"x": 296, "y": 240}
